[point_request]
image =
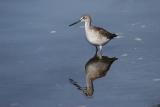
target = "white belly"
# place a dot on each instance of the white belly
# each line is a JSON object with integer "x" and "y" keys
{"x": 95, "y": 38}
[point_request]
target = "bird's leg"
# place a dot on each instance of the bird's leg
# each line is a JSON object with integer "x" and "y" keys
{"x": 96, "y": 54}
{"x": 100, "y": 51}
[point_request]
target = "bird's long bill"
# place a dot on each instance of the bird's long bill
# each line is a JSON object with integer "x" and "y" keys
{"x": 75, "y": 23}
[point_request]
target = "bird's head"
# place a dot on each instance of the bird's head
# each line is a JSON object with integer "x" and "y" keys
{"x": 85, "y": 18}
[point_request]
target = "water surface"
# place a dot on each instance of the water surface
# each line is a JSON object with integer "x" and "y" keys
{"x": 39, "y": 53}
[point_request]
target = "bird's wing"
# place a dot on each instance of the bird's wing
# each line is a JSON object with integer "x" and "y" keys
{"x": 106, "y": 33}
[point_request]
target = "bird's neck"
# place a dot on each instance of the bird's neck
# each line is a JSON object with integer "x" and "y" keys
{"x": 88, "y": 25}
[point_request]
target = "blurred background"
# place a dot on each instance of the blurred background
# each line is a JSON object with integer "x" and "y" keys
{"x": 39, "y": 53}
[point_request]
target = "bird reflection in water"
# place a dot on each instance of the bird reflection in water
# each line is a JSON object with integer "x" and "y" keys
{"x": 96, "y": 67}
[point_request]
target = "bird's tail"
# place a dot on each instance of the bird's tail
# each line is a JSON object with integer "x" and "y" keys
{"x": 114, "y": 35}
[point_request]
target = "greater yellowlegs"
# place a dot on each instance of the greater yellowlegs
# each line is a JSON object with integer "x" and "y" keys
{"x": 95, "y": 35}
{"x": 95, "y": 68}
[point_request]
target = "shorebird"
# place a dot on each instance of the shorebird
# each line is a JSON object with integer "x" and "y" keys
{"x": 97, "y": 36}
{"x": 95, "y": 68}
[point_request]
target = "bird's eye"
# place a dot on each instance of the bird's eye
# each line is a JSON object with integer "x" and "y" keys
{"x": 84, "y": 17}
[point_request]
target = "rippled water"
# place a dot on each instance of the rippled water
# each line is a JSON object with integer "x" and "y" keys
{"x": 39, "y": 53}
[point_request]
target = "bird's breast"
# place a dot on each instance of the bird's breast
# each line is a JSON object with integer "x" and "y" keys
{"x": 95, "y": 37}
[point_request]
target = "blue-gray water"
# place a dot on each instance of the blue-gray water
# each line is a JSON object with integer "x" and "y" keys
{"x": 39, "y": 53}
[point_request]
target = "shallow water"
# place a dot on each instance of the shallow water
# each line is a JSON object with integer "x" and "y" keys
{"x": 39, "y": 53}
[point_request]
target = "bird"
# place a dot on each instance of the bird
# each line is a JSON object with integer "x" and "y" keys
{"x": 94, "y": 68}
{"x": 96, "y": 36}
